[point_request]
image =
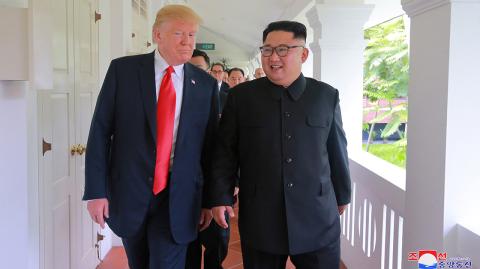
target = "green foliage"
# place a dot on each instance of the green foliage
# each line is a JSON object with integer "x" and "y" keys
{"x": 365, "y": 127}
{"x": 386, "y": 61}
{"x": 398, "y": 114}
{"x": 394, "y": 153}
{"x": 386, "y": 78}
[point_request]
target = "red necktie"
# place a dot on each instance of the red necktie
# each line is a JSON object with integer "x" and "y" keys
{"x": 165, "y": 118}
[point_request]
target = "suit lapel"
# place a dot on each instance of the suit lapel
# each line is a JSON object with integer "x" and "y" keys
{"x": 149, "y": 94}
{"x": 188, "y": 104}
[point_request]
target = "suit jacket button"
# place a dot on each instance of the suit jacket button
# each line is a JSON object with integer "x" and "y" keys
{"x": 290, "y": 185}
{"x": 289, "y": 160}
{"x": 150, "y": 179}
{"x": 288, "y": 114}
{"x": 288, "y": 136}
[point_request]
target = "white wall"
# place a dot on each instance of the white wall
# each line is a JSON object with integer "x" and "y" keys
{"x": 462, "y": 143}
{"x": 14, "y": 3}
{"x": 13, "y": 174}
{"x": 14, "y": 221}
{"x": 442, "y": 160}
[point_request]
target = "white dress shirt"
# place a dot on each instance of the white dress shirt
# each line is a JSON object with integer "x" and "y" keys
{"x": 177, "y": 79}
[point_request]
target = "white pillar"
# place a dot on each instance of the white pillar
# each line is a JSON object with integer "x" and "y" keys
{"x": 337, "y": 51}
{"x": 443, "y": 146}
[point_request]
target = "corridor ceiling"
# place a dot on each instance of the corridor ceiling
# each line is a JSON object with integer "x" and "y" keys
{"x": 235, "y": 27}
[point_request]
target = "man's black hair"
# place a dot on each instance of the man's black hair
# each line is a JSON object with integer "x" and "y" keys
{"x": 201, "y": 53}
{"x": 219, "y": 64}
{"x": 298, "y": 29}
{"x": 235, "y": 69}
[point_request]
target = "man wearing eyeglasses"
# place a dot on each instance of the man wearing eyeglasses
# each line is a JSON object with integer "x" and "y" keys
{"x": 284, "y": 132}
{"x": 213, "y": 239}
{"x": 218, "y": 72}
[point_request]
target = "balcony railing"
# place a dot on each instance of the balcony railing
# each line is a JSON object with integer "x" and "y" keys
{"x": 372, "y": 225}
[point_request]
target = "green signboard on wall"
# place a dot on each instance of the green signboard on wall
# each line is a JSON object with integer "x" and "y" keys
{"x": 205, "y": 46}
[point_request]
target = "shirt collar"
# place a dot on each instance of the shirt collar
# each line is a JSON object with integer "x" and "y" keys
{"x": 161, "y": 65}
{"x": 295, "y": 90}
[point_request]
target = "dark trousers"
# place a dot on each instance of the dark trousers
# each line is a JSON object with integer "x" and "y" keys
{"x": 215, "y": 240}
{"x": 153, "y": 246}
{"x": 325, "y": 258}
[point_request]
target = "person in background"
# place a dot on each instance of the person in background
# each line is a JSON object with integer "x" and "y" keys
{"x": 150, "y": 146}
{"x": 284, "y": 132}
{"x": 218, "y": 72}
{"x": 225, "y": 76}
{"x": 214, "y": 238}
{"x": 200, "y": 59}
{"x": 259, "y": 73}
{"x": 235, "y": 76}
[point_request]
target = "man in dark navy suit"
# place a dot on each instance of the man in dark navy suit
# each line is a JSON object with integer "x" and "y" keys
{"x": 217, "y": 70}
{"x": 150, "y": 143}
{"x": 214, "y": 238}
{"x": 284, "y": 132}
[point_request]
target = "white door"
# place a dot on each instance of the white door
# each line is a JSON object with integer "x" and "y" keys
{"x": 86, "y": 91}
{"x": 68, "y": 236}
{"x": 57, "y": 165}
{"x": 57, "y": 174}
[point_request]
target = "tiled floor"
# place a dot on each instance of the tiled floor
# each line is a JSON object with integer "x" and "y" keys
{"x": 116, "y": 258}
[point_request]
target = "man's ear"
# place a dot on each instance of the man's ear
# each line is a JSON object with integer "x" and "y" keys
{"x": 156, "y": 35}
{"x": 305, "y": 53}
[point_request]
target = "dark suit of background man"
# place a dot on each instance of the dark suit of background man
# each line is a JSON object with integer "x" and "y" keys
{"x": 214, "y": 238}
{"x": 218, "y": 72}
{"x": 285, "y": 134}
{"x": 128, "y": 132}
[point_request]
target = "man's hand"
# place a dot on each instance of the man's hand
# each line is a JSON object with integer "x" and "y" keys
{"x": 98, "y": 209}
{"x": 341, "y": 208}
{"x": 235, "y": 191}
{"x": 235, "y": 197}
{"x": 219, "y": 215}
{"x": 205, "y": 218}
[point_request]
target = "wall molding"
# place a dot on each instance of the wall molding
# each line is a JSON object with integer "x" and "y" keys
{"x": 417, "y": 7}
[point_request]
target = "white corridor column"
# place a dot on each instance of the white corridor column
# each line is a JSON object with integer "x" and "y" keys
{"x": 443, "y": 161}
{"x": 337, "y": 49}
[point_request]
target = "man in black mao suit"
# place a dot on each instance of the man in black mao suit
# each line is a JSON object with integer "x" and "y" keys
{"x": 121, "y": 160}
{"x": 285, "y": 134}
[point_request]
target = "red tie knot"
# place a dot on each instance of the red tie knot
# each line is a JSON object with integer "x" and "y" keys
{"x": 170, "y": 70}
